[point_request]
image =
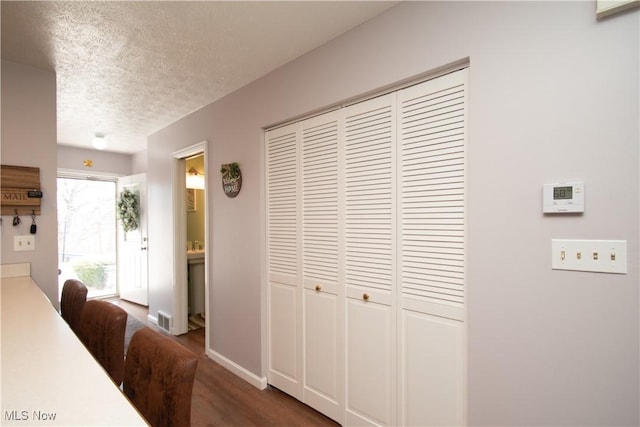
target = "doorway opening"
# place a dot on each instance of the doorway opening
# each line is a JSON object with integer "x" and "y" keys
{"x": 87, "y": 234}
{"x": 196, "y": 248}
{"x": 192, "y": 246}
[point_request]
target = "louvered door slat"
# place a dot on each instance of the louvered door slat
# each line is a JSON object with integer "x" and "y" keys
{"x": 320, "y": 201}
{"x": 432, "y": 160}
{"x": 369, "y": 193}
{"x": 282, "y": 218}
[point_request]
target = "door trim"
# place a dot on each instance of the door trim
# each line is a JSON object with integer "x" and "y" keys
{"x": 180, "y": 287}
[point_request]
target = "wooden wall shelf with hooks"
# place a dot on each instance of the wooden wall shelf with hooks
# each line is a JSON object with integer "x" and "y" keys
{"x": 15, "y": 183}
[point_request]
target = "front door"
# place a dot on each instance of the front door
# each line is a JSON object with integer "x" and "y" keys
{"x": 132, "y": 249}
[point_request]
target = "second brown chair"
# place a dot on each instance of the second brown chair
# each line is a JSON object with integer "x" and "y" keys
{"x": 158, "y": 378}
{"x": 102, "y": 330}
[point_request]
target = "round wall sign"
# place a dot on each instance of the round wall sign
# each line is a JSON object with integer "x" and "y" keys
{"x": 231, "y": 179}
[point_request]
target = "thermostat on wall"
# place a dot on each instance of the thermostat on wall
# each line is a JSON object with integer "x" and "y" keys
{"x": 563, "y": 198}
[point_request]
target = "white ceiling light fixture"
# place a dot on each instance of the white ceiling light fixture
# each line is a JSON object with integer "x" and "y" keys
{"x": 195, "y": 179}
{"x": 99, "y": 142}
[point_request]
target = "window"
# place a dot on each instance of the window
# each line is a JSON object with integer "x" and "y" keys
{"x": 87, "y": 234}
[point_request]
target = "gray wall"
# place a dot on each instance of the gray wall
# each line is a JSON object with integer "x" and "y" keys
{"x": 553, "y": 97}
{"x": 29, "y": 139}
{"x": 139, "y": 162}
{"x": 104, "y": 162}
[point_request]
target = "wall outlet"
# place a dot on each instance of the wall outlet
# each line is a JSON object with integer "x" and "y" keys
{"x": 24, "y": 243}
{"x": 602, "y": 256}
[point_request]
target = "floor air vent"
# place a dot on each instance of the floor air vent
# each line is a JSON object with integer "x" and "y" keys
{"x": 164, "y": 321}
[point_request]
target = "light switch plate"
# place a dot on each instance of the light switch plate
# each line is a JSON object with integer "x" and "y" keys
{"x": 601, "y": 256}
{"x": 24, "y": 243}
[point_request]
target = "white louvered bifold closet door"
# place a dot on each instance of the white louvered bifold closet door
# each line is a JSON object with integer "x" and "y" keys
{"x": 321, "y": 254}
{"x": 370, "y": 234}
{"x": 432, "y": 162}
{"x": 283, "y": 260}
{"x": 366, "y": 211}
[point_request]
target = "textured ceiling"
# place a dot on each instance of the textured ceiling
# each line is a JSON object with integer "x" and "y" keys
{"x": 127, "y": 69}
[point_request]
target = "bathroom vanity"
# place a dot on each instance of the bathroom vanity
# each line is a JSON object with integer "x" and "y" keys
{"x": 195, "y": 268}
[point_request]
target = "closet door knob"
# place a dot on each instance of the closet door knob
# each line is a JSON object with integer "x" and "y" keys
{"x": 318, "y": 288}
{"x": 365, "y": 297}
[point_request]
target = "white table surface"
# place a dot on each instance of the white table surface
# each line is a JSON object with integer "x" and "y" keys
{"x": 48, "y": 377}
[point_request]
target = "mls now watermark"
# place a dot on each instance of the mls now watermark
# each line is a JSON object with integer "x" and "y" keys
{"x": 22, "y": 415}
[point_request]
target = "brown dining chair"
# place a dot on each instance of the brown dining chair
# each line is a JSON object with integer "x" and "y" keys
{"x": 158, "y": 378}
{"x": 102, "y": 330}
{"x": 74, "y": 296}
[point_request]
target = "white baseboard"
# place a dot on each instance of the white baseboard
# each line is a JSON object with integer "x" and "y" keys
{"x": 256, "y": 381}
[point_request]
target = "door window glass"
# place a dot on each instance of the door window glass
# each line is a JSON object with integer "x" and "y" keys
{"x": 87, "y": 234}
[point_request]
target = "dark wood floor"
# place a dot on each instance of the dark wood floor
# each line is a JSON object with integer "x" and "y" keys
{"x": 220, "y": 398}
